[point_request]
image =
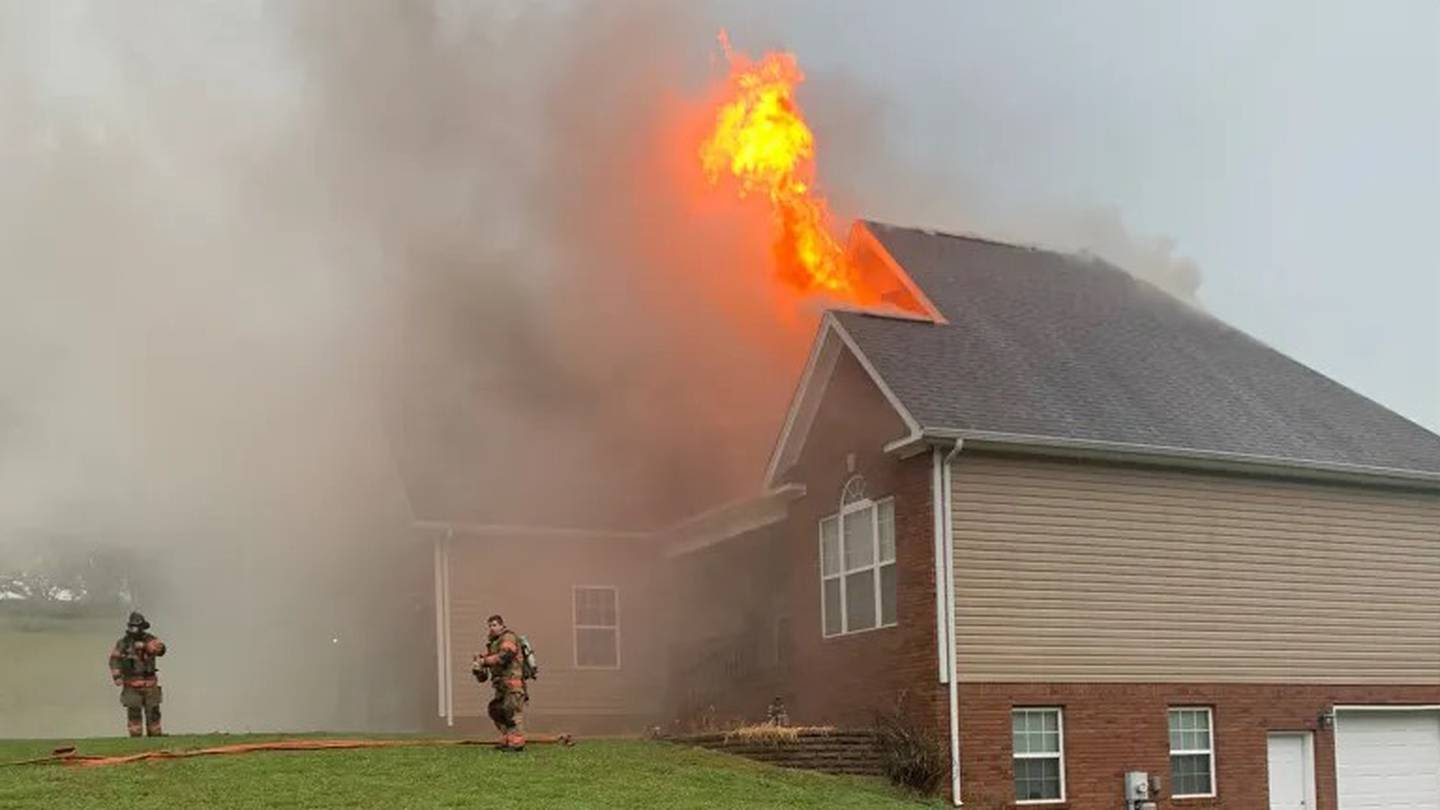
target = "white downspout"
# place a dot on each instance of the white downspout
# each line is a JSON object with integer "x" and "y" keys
{"x": 441, "y": 674}
{"x": 937, "y": 507}
{"x": 449, "y": 678}
{"x": 949, "y": 532}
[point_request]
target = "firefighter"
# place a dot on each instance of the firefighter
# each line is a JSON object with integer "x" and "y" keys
{"x": 504, "y": 666}
{"x": 777, "y": 714}
{"x": 132, "y": 668}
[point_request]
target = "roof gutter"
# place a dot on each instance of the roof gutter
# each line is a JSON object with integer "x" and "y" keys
{"x": 948, "y": 531}
{"x": 521, "y": 532}
{"x": 729, "y": 520}
{"x": 1184, "y": 457}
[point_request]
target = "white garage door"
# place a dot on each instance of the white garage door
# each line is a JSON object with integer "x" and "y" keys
{"x": 1388, "y": 759}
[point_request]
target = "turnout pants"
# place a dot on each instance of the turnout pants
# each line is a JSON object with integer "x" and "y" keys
{"x": 507, "y": 709}
{"x": 142, "y": 703}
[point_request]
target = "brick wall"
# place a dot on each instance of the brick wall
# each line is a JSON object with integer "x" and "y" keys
{"x": 1114, "y": 728}
{"x": 838, "y": 681}
{"x": 724, "y": 656}
{"x": 845, "y": 680}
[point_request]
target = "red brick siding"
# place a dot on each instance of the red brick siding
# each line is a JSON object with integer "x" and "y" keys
{"x": 845, "y": 680}
{"x": 1114, "y": 728}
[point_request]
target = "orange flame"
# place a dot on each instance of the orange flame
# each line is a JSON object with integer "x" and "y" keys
{"x": 761, "y": 139}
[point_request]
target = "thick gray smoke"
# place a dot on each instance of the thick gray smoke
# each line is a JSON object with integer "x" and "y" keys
{"x": 874, "y": 162}
{"x": 276, "y": 279}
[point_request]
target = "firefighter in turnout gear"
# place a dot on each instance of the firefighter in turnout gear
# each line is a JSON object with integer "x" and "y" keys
{"x": 504, "y": 666}
{"x": 132, "y": 668}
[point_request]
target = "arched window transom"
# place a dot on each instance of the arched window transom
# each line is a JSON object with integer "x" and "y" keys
{"x": 854, "y": 490}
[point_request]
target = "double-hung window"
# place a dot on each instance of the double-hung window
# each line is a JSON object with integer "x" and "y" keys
{"x": 1038, "y": 738}
{"x": 1192, "y": 752}
{"x": 597, "y": 627}
{"x": 857, "y": 567}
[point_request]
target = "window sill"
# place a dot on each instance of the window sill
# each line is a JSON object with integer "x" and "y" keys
{"x": 1195, "y": 797}
{"x": 838, "y": 636}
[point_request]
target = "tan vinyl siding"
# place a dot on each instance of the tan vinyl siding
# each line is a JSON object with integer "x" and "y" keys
{"x": 1071, "y": 571}
{"x": 562, "y": 689}
{"x": 530, "y": 583}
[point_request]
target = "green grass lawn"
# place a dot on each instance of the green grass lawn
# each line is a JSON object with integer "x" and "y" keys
{"x": 600, "y": 773}
{"x": 55, "y": 678}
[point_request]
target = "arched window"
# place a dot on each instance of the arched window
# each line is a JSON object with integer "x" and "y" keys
{"x": 857, "y": 562}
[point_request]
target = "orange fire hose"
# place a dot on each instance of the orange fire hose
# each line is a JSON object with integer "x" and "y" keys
{"x": 69, "y": 756}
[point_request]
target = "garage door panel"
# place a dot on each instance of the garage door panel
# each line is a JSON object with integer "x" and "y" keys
{"x": 1388, "y": 760}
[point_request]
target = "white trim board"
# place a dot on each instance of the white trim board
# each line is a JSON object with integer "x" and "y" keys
{"x": 442, "y": 674}
{"x": 517, "y": 532}
{"x": 1389, "y": 707}
{"x": 731, "y": 520}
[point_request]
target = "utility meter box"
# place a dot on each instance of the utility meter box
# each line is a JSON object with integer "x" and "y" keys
{"x": 1137, "y": 786}
{"x": 1138, "y": 795}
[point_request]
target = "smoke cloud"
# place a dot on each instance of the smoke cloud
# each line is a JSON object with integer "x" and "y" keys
{"x": 872, "y": 161}
{"x": 278, "y": 279}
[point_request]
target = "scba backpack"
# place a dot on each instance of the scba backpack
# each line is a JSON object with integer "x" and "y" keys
{"x": 529, "y": 665}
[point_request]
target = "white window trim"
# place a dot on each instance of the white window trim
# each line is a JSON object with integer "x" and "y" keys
{"x": 1210, "y": 752}
{"x": 874, "y": 566}
{"x": 1014, "y": 755}
{"x": 576, "y": 626}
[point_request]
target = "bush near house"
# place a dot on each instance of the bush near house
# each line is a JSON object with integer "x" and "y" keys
{"x": 912, "y": 754}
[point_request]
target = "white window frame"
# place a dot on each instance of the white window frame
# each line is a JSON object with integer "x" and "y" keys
{"x": 1210, "y": 752}
{"x": 1014, "y": 755}
{"x": 576, "y": 626}
{"x": 843, "y": 573}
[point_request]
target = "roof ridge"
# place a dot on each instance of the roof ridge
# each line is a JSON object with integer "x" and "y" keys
{"x": 970, "y": 236}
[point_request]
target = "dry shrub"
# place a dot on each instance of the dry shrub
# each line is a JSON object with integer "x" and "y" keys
{"x": 773, "y": 734}
{"x": 912, "y": 754}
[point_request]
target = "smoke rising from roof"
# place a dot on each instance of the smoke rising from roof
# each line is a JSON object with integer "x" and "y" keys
{"x": 277, "y": 278}
{"x": 872, "y": 160}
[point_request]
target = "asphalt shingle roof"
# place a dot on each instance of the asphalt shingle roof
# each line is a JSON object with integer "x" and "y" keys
{"x": 1061, "y": 346}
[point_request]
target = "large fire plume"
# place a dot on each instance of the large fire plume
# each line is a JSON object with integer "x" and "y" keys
{"x": 760, "y": 138}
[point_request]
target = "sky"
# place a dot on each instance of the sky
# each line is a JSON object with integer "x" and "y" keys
{"x": 1290, "y": 149}
{"x": 1290, "y": 152}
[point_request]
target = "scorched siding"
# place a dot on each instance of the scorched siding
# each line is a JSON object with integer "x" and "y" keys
{"x": 1072, "y": 571}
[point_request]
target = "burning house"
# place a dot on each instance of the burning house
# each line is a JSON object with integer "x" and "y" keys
{"x": 1089, "y": 530}
{"x": 1084, "y": 528}
{"x": 1086, "y": 534}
